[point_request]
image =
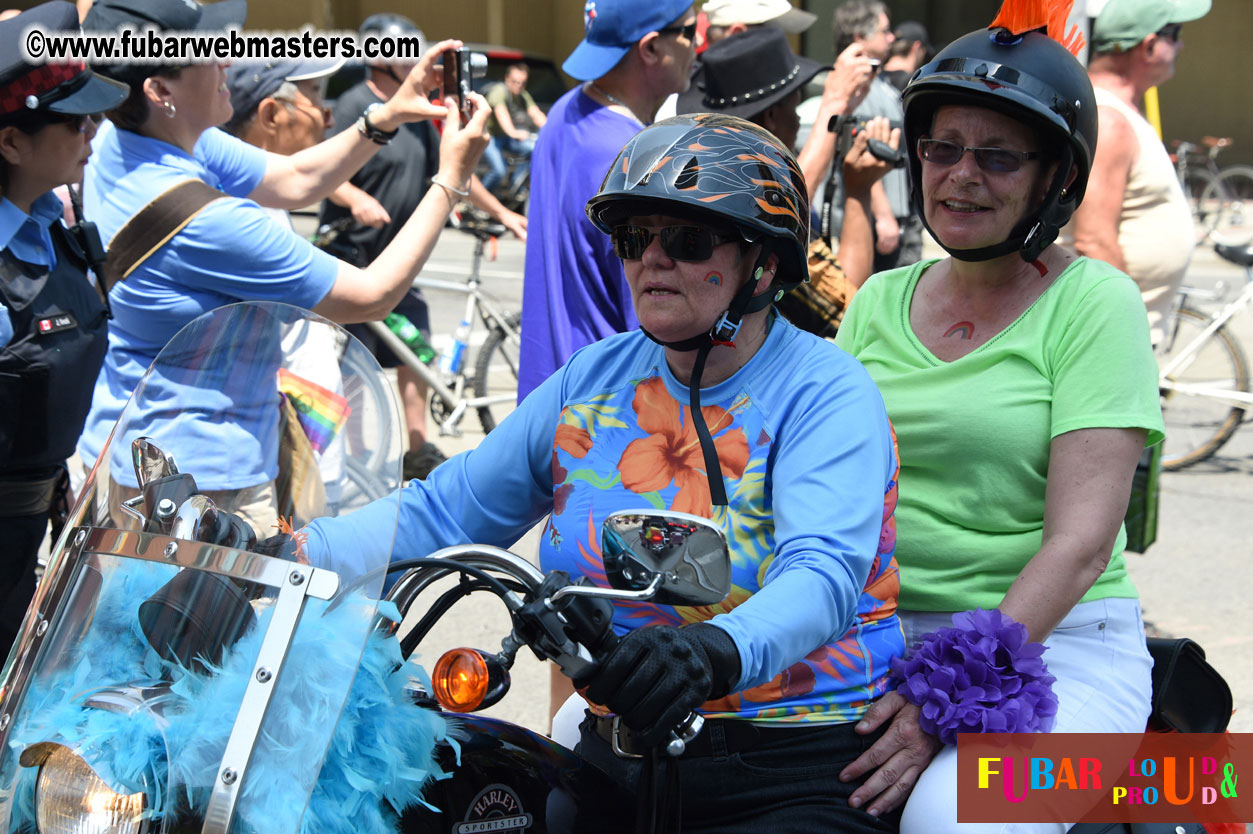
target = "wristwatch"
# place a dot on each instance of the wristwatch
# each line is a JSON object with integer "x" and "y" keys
{"x": 369, "y": 131}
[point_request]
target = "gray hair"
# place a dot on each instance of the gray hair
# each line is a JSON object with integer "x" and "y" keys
{"x": 855, "y": 19}
{"x": 240, "y": 122}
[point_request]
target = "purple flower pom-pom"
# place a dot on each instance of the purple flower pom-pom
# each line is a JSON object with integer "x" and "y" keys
{"x": 982, "y": 675}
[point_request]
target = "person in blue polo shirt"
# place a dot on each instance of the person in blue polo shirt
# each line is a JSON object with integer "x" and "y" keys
{"x": 231, "y": 250}
{"x": 52, "y": 322}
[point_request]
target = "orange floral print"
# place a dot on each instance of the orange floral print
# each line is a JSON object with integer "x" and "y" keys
{"x": 573, "y": 440}
{"x": 671, "y": 453}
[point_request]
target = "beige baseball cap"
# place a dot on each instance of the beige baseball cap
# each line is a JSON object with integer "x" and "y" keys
{"x": 778, "y": 13}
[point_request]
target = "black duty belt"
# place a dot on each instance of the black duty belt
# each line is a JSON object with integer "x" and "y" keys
{"x": 738, "y": 736}
{"x": 27, "y": 496}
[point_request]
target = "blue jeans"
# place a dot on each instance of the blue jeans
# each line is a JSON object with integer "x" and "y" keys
{"x": 787, "y": 784}
{"x": 494, "y": 156}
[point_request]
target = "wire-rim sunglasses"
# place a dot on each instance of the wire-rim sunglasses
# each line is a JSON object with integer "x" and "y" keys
{"x": 992, "y": 160}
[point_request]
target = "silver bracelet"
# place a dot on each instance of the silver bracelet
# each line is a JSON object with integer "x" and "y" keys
{"x": 458, "y": 191}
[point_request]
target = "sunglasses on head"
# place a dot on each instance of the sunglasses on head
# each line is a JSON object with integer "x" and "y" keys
{"x": 1171, "y": 31}
{"x": 687, "y": 30}
{"x": 680, "y": 243}
{"x": 992, "y": 160}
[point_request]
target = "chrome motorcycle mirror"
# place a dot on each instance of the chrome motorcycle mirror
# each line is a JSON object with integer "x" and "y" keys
{"x": 151, "y": 464}
{"x": 684, "y": 556}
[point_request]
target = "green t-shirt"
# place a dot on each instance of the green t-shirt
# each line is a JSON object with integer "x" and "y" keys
{"x": 974, "y": 433}
{"x": 518, "y": 107}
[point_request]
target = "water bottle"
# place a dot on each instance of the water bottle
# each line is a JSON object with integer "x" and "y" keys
{"x": 450, "y": 362}
{"x": 409, "y": 333}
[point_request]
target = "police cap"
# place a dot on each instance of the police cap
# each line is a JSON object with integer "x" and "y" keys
{"x": 28, "y": 89}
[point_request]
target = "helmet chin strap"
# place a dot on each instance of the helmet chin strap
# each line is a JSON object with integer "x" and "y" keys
{"x": 723, "y": 332}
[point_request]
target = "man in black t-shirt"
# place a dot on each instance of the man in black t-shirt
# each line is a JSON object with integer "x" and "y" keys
{"x": 396, "y": 177}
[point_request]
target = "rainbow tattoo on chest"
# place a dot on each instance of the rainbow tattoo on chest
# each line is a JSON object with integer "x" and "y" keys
{"x": 963, "y": 329}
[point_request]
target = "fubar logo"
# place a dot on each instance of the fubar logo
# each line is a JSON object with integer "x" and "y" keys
{"x": 1103, "y": 777}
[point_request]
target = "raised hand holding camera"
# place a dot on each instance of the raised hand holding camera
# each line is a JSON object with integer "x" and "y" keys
{"x": 412, "y": 101}
{"x": 460, "y": 69}
{"x": 461, "y": 144}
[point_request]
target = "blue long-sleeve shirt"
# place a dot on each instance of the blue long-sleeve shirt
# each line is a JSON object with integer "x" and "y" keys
{"x": 808, "y": 457}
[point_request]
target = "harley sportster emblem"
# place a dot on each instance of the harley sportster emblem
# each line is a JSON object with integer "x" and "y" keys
{"x": 496, "y": 808}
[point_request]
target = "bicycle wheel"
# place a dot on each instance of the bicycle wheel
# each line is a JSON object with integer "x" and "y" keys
{"x": 1233, "y": 223}
{"x": 1198, "y": 425}
{"x": 496, "y": 371}
{"x": 366, "y": 395}
{"x": 1204, "y": 199}
{"x": 360, "y": 486}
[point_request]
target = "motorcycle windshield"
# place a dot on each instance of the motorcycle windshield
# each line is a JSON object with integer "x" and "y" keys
{"x": 183, "y": 665}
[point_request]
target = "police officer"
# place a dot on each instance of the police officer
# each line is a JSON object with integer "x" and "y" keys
{"x": 52, "y": 320}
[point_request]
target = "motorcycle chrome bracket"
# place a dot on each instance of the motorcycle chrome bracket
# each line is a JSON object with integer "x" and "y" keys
{"x": 302, "y": 582}
{"x": 296, "y": 583}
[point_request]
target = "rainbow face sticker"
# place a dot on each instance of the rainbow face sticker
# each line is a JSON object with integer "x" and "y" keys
{"x": 714, "y": 278}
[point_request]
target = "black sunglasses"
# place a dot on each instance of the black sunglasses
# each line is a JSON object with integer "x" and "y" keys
{"x": 74, "y": 121}
{"x": 687, "y": 30}
{"x": 992, "y": 160}
{"x": 680, "y": 243}
{"x": 1171, "y": 31}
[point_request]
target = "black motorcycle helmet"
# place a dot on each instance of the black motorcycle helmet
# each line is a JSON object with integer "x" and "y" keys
{"x": 722, "y": 167}
{"x": 734, "y": 173}
{"x": 1032, "y": 78}
{"x": 388, "y": 24}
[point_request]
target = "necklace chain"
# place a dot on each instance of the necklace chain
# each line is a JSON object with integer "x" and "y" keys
{"x": 613, "y": 99}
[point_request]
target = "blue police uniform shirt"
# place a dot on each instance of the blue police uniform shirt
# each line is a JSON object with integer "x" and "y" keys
{"x": 231, "y": 251}
{"x": 27, "y": 237}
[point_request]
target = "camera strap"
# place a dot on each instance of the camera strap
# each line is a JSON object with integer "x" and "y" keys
{"x": 834, "y": 181}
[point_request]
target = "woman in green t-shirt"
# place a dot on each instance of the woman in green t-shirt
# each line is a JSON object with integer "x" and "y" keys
{"x": 1023, "y": 390}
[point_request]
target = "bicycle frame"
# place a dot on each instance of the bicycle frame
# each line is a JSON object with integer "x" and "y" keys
{"x": 478, "y": 307}
{"x": 1238, "y": 398}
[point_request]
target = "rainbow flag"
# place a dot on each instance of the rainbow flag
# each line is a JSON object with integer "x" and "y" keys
{"x": 322, "y": 413}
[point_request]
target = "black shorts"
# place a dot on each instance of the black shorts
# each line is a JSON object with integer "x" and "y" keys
{"x": 413, "y": 307}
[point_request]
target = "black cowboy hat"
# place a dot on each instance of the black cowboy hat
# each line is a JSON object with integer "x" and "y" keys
{"x": 70, "y": 88}
{"x": 746, "y": 74}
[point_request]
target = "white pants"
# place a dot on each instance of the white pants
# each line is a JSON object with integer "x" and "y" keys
{"x": 1103, "y": 671}
{"x": 566, "y": 721}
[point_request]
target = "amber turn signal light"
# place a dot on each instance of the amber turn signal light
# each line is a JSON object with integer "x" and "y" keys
{"x": 466, "y": 680}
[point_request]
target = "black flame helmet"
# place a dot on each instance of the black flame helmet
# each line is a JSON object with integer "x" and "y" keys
{"x": 1030, "y": 77}
{"x": 720, "y": 167}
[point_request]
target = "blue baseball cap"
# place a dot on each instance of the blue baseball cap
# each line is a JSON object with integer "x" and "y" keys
{"x": 612, "y": 27}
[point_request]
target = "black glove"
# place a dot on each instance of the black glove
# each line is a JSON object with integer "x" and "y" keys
{"x": 656, "y": 676}
{"x": 283, "y": 545}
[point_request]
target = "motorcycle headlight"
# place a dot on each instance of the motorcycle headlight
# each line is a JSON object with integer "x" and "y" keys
{"x": 71, "y": 799}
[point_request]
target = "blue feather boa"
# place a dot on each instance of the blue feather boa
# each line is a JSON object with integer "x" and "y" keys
{"x": 379, "y": 757}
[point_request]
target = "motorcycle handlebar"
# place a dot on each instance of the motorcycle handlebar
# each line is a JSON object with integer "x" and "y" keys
{"x": 478, "y": 559}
